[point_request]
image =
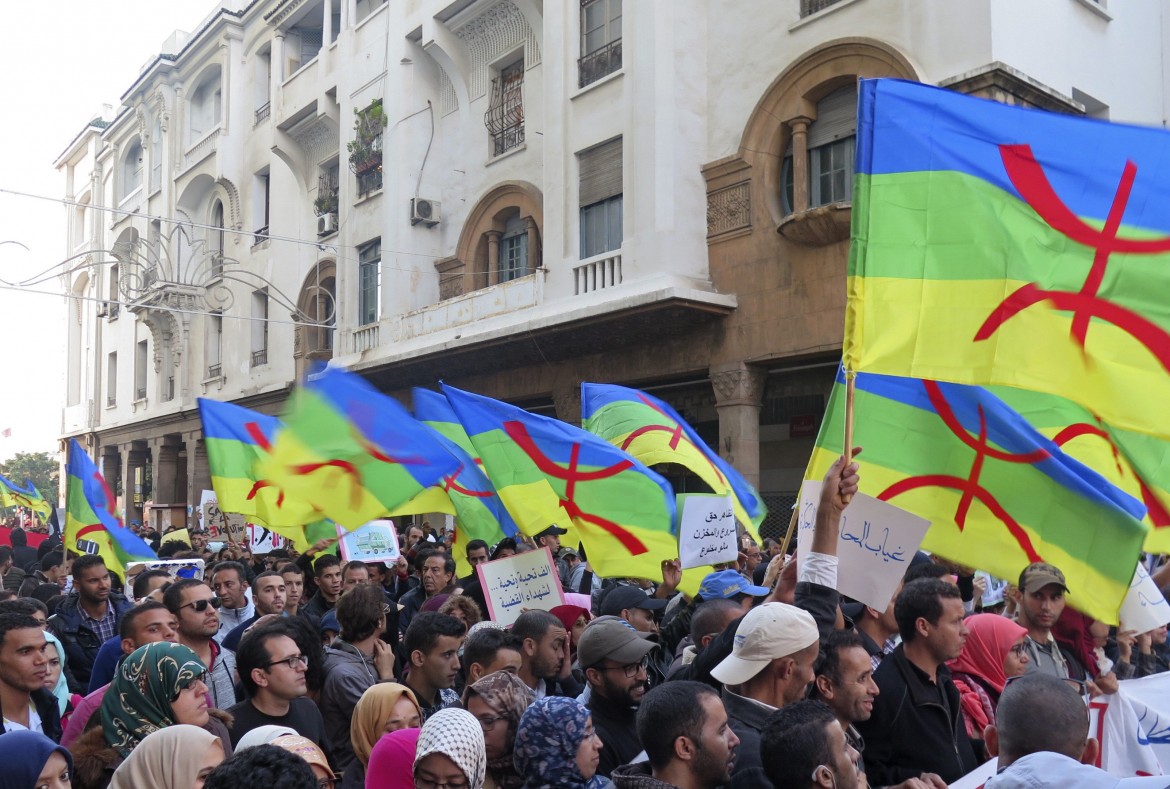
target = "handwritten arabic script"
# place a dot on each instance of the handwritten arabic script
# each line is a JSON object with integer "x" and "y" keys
{"x": 525, "y": 581}
{"x": 707, "y": 532}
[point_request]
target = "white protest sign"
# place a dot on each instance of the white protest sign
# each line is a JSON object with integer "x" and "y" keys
{"x": 376, "y": 541}
{"x": 178, "y": 568}
{"x": 219, "y": 524}
{"x": 1133, "y": 727}
{"x": 876, "y": 544}
{"x": 524, "y": 581}
{"x": 706, "y": 533}
{"x": 1144, "y": 607}
{"x": 263, "y": 540}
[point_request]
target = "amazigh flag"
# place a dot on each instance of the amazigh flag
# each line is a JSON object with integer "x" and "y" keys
{"x": 479, "y": 513}
{"x": 26, "y": 495}
{"x": 653, "y": 432}
{"x": 1137, "y": 463}
{"x": 999, "y": 494}
{"x": 548, "y": 472}
{"x": 91, "y": 524}
{"x": 353, "y": 452}
{"x": 1000, "y": 245}
{"x": 236, "y": 440}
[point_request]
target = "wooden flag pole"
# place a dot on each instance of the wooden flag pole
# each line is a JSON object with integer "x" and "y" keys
{"x": 791, "y": 528}
{"x": 850, "y": 382}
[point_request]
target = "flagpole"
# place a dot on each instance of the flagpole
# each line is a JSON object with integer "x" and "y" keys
{"x": 791, "y": 526}
{"x": 850, "y": 382}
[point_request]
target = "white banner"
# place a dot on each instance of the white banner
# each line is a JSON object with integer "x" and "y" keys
{"x": 1133, "y": 727}
{"x": 706, "y": 533}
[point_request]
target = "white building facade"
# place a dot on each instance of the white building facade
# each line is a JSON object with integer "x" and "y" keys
{"x": 515, "y": 196}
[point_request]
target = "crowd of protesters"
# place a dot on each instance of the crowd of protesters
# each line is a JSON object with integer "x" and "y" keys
{"x": 306, "y": 672}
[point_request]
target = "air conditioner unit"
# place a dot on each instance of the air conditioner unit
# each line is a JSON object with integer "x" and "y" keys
{"x": 425, "y": 211}
{"x": 326, "y": 224}
{"x": 103, "y": 309}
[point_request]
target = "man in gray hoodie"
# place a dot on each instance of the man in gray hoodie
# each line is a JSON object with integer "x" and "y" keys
{"x": 1041, "y": 739}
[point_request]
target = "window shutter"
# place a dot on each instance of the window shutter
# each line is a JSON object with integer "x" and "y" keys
{"x": 836, "y": 117}
{"x": 601, "y": 172}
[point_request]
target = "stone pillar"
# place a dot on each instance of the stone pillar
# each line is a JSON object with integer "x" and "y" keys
{"x": 327, "y": 24}
{"x": 134, "y": 460}
{"x": 277, "y": 63}
{"x": 110, "y": 462}
{"x": 198, "y": 472}
{"x": 493, "y": 261}
{"x": 165, "y": 484}
{"x": 739, "y": 394}
{"x": 799, "y": 164}
{"x": 533, "y": 244}
{"x": 567, "y": 399}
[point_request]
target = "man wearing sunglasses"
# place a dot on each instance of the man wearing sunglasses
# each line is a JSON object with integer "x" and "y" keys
{"x": 194, "y": 606}
{"x": 614, "y": 657}
{"x": 272, "y": 671}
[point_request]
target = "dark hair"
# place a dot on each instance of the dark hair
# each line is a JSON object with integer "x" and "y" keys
{"x": 25, "y": 606}
{"x": 38, "y": 605}
{"x": 794, "y": 743}
{"x": 425, "y": 629}
{"x": 170, "y": 547}
{"x": 925, "y": 570}
{"x": 127, "y": 626}
{"x": 670, "y": 711}
{"x": 354, "y": 565}
{"x": 84, "y": 562}
{"x": 448, "y": 561}
{"x": 15, "y": 621}
{"x": 832, "y": 645}
{"x": 1040, "y": 697}
{"x": 709, "y": 616}
{"x": 253, "y": 653}
{"x": 265, "y": 574}
{"x": 5, "y": 554}
{"x": 143, "y": 580}
{"x": 475, "y": 545}
{"x": 323, "y": 563}
{"x": 484, "y": 644}
{"x": 18, "y": 538}
{"x": 505, "y": 544}
{"x": 534, "y": 625}
{"x": 421, "y": 557}
{"x": 173, "y": 596}
{"x": 50, "y": 560}
{"x": 921, "y": 599}
{"x": 45, "y": 593}
{"x": 359, "y": 612}
{"x": 269, "y": 766}
{"x": 291, "y": 567}
{"x": 7, "y": 594}
{"x": 241, "y": 571}
{"x": 308, "y": 638}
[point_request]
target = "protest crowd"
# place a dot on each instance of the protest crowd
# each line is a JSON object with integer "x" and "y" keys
{"x": 302, "y": 671}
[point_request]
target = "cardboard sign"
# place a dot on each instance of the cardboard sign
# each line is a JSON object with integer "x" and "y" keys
{"x": 377, "y": 541}
{"x": 1144, "y": 608}
{"x": 518, "y": 583}
{"x": 875, "y": 546}
{"x": 263, "y": 540}
{"x": 220, "y": 525}
{"x": 706, "y": 533}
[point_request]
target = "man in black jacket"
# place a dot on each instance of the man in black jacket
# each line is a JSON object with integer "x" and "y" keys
{"x": 614, "y": 656}
{"x": 917, "y": 723}
{"x": 87, "y": 618}
{"x": 24, "y": 701}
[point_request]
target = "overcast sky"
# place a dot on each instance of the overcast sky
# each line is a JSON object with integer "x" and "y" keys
{"x": 65, "y": 61}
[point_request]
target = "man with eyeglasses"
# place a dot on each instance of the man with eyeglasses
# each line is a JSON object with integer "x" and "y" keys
{"x": 194, "y": 606}
{"x": 272, "y": 671}
{"x": 614, "y": 656}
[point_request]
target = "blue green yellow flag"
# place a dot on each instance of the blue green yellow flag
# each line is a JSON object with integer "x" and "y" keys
{"x": 26, "y": 495}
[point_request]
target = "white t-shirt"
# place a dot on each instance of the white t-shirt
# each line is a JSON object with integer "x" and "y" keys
{"x": 34, "y": 722}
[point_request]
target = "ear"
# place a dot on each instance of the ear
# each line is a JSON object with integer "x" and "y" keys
{"x": 1092, "y": 751}
{"x": 259, "y": 678}
{"x": 824, "y": 686}
{"x": 921, "y": 626}
{"x": 684, "y": 749}
{"x": 127, "y": 646}
{"x": 593, "y": 676}
{"x": 823, "y": 776}
{"x": 625, "y": 614}
{"x": 530, "y": 646}
{"x": 785, "y": 668}
{"x": 474, "y": 672}
{"x": 873, "y": 613}
{"x": 417, "y": 658}
{"x": 991, "y": 739}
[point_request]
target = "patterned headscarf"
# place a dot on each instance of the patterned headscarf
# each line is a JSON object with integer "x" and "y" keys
{"x": 139, "y": 699}
{"x": 507, "y": 696}
{"x": 456, "y": 734}
{"x": 61, "y": 689}
{"x": 373, "y": 709}
{"x": 547, "y": 740}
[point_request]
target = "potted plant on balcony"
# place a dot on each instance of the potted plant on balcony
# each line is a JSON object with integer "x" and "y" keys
{"x": 365, "y": 150}
{"x": 326, "y": 202}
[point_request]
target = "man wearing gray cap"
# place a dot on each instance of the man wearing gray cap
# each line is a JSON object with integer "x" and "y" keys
{"x": 770, "y": 665}
{"x": 614, "y": 656}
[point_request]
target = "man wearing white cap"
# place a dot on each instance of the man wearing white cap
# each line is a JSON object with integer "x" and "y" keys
{"x": 770, "y": 665}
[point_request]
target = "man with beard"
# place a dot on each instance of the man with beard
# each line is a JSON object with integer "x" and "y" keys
{"x": 327, "y": 572}
{"x": 544, "y": 655}
{"x": 614, "y": 657}
{"x": 683, "y": 728}
{"x": 268, "y": 597}
{"x": 193, "y": 605}
{"x": 87, "y": 618}
{"x": 803, "y": 747}
{"x": 437, "y": 571}
{"x": 1040, "y": 601}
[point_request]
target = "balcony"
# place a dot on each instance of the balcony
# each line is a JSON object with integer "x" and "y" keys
{"x": 262, "y": 113}
{"x": 810, "y": 7}
{"x": 600, "y": 63}
{"x": 598, "y": 273}
{"x": 507, "y": 138}
{"x": 370, "y": 180}
{"x": 259, "y": 357}
{"x": 365, "y": 338}
{"x": 214, "y": 371}
{"x": 140, "y": 393}
{"x": 202, "y": 149}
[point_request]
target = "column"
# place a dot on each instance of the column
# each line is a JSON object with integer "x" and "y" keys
{"x": 277, "y": 63}
{"x": 165, "y": 458}
{"x": 110, "y": 462}
{"x": 533, "y": 244}
{"x": 327, "y": 25}
{"x": 198, "y": 472}
{"x": 493, "y": 261}
{"x": 799, "y": 164}
{"x": 739, "y": 394}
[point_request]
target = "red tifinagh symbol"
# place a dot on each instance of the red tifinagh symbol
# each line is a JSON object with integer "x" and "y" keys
{"x": 518, "y": 433}
{"x": 676, "y": 436}
{"x": 450, "y": 482}
{"x": 1157, "y": 513}
{"x": 1030, "y": 180}
{"x": 970, "y": 487}
{"x": 347, "y": 468}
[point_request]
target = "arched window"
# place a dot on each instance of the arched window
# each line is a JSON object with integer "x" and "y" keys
{"x": 205, "y": 111}
{"x": 501, "y": 241}
{"x": 215, "y": 239}
{"x": 830, "y": 144}
{"x": 131, "y": 169}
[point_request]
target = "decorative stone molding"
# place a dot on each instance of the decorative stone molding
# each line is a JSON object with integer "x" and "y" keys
{"x": 818, "y": 227}
{"x": 729, "y": 209}
{"x": 233, "y": 200}
{"x": 1007, "y": 85}
{"x": 164, "y": 333}
{"x": 450, "y": 277}
{"x": 318, "y": 139}
{"x": 738, "y": 384}
{"x": 140, "y": 116}
{"x": 490, "y": 35}
{"x": 448, "y": 101}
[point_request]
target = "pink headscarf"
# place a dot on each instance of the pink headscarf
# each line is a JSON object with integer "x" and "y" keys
{"x": 392, "y": 761}
{"x": 991, "y": 637}
{"x": 569, "y": 614}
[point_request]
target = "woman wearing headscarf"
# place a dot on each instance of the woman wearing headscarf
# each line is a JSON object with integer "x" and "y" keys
{"x": 56, "y": 682}
{"x": 177, "y": 757}
{"x": 156, "y": 686}
{"x": 498, "y": 701}
{"x": 994, "y": 650}
{"x": 384, "y": 707}
{"x": 33, "y": 760}
{"x": 574, "y": 618}
{"x": 392, "y": 761}
{"x": 450, "y": 751}
{"x": 556, "y": 747}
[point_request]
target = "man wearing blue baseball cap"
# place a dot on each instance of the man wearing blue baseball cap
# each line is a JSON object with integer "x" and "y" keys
{"x": 719, "y": 585}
